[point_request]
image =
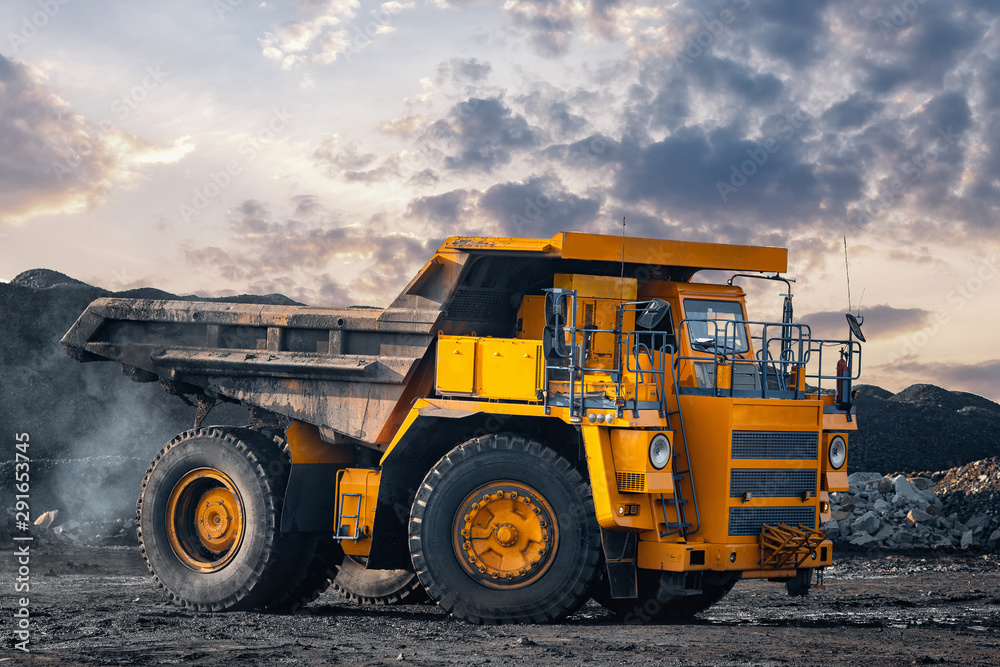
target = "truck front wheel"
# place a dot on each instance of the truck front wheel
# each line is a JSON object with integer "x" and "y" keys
{"x": 209, "y": 521}
{"x": 503, "y": 530}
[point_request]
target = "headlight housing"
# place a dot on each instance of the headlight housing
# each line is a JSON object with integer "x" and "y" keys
{"x": 659, "y": 451}
{"x": 838, "y": 452}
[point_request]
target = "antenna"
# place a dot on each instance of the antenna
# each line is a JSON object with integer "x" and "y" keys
{"x": 621, "y": 284}
{"x": 847, "y": 268}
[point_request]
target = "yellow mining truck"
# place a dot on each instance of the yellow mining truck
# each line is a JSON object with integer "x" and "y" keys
{"x": 531, "y": 423}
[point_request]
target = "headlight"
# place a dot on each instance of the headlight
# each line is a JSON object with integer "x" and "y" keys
{"x": 838, "y": 452}
{"x": 659, "y": 451}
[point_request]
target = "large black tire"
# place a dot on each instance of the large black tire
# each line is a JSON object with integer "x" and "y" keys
{"x": 359, "y": 584}
{"x": 262, "y": 567}
{"x": 505, "y": 494}
{"x": 648, "y": 609}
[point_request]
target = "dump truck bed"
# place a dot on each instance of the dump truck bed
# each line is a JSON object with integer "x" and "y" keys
{"x": 333, "y": 367}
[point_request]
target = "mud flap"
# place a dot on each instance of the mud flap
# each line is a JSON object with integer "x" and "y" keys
{"x": 311, "y": 498}
{"x": 620, "y": 550}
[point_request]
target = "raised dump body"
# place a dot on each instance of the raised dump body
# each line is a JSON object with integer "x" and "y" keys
{"x": 558, "y": 419}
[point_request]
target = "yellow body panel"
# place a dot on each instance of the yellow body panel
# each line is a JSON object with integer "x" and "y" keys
{"x": 456, "y": 365}
{"x": 508, "y": 368}
{"x": 633, "y": 471}
{"x": 501, "y": 368}
{"x": 649, "y": 252}
{"x": 597, "y": 287}
{"x": 306, "y": 446}
{"x": 357, "y": 493}
{"x": 676, "y": 557}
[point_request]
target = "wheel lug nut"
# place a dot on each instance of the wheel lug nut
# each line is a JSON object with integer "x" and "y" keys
{"x": 496, "y": 575}
{"x": 467, "y": 545}
{"x": 482, "y": 570}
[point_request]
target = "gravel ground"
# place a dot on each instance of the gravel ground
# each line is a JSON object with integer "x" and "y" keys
{"x": 99, "y": 606}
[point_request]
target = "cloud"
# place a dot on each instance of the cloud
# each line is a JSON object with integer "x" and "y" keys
{"x": 55, "y": 161}
{"x": 332, "y": 30}
{"x": 484, "y": 134}
{"x": 881, "y": 322}
{"x": 538, "y": 207}
{"x": 464, "y": 70}
{"x": 336, "y": 154}
{"x": 302, "y": 254}
{"x": 404, "y": 126}
{"x": 451, "y": 210}
{"x": 550, "y": 22}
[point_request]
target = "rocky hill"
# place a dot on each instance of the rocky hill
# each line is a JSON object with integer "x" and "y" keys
{"x": 923, "y": 427}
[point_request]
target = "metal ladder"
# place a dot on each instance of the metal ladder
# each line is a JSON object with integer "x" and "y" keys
{"x": 679, "y": 502}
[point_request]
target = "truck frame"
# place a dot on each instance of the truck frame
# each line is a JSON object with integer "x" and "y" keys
{"x": 529, "y": 424}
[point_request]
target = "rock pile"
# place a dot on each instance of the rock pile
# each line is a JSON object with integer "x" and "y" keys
{"x": 900, "y": 512}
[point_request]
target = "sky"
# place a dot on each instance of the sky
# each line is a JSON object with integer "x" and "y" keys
{"x": 324, "y": 148}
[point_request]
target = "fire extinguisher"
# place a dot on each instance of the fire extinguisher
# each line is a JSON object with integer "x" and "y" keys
{"x": 841, "y": 375}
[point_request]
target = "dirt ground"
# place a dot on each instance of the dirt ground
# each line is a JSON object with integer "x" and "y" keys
{"x": 99, "y": 606}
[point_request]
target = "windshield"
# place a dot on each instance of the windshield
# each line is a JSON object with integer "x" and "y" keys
{"x": 712, "y": 326}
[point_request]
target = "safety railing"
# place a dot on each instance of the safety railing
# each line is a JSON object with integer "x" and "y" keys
{"x": 775, "y": 357}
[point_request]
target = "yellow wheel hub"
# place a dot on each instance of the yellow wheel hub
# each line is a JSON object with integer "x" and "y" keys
{"x": 205, "y": 520}
{"x": 504, "y": 535}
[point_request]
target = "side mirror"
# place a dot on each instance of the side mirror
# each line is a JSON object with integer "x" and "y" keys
{"x": 555, "y": 309}
{"x": 856, "y": 327}
{"x": 653, "y": 314}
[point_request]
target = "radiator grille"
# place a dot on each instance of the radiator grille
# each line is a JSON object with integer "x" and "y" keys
{"x": 771, "y": 483}
{"x": 748, "y": 520}
{"x": 801, "y": 445}
{"x": 480, "y": 304}
{"x": 631, "y": 482}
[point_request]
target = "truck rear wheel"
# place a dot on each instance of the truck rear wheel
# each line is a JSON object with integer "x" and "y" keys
{"x": 358, "y": 584}
{"x": 503, "y": 530}
{"x": 648, "y": 609}
{"x": 209, "y": 522}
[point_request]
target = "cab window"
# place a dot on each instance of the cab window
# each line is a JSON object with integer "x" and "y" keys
{"x": 716, "y": 326}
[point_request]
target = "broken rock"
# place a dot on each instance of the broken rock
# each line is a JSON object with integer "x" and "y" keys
{"x": 868, "y": 523}
{"x": 906, "y": 492}
{"x": 47, "y": 519}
